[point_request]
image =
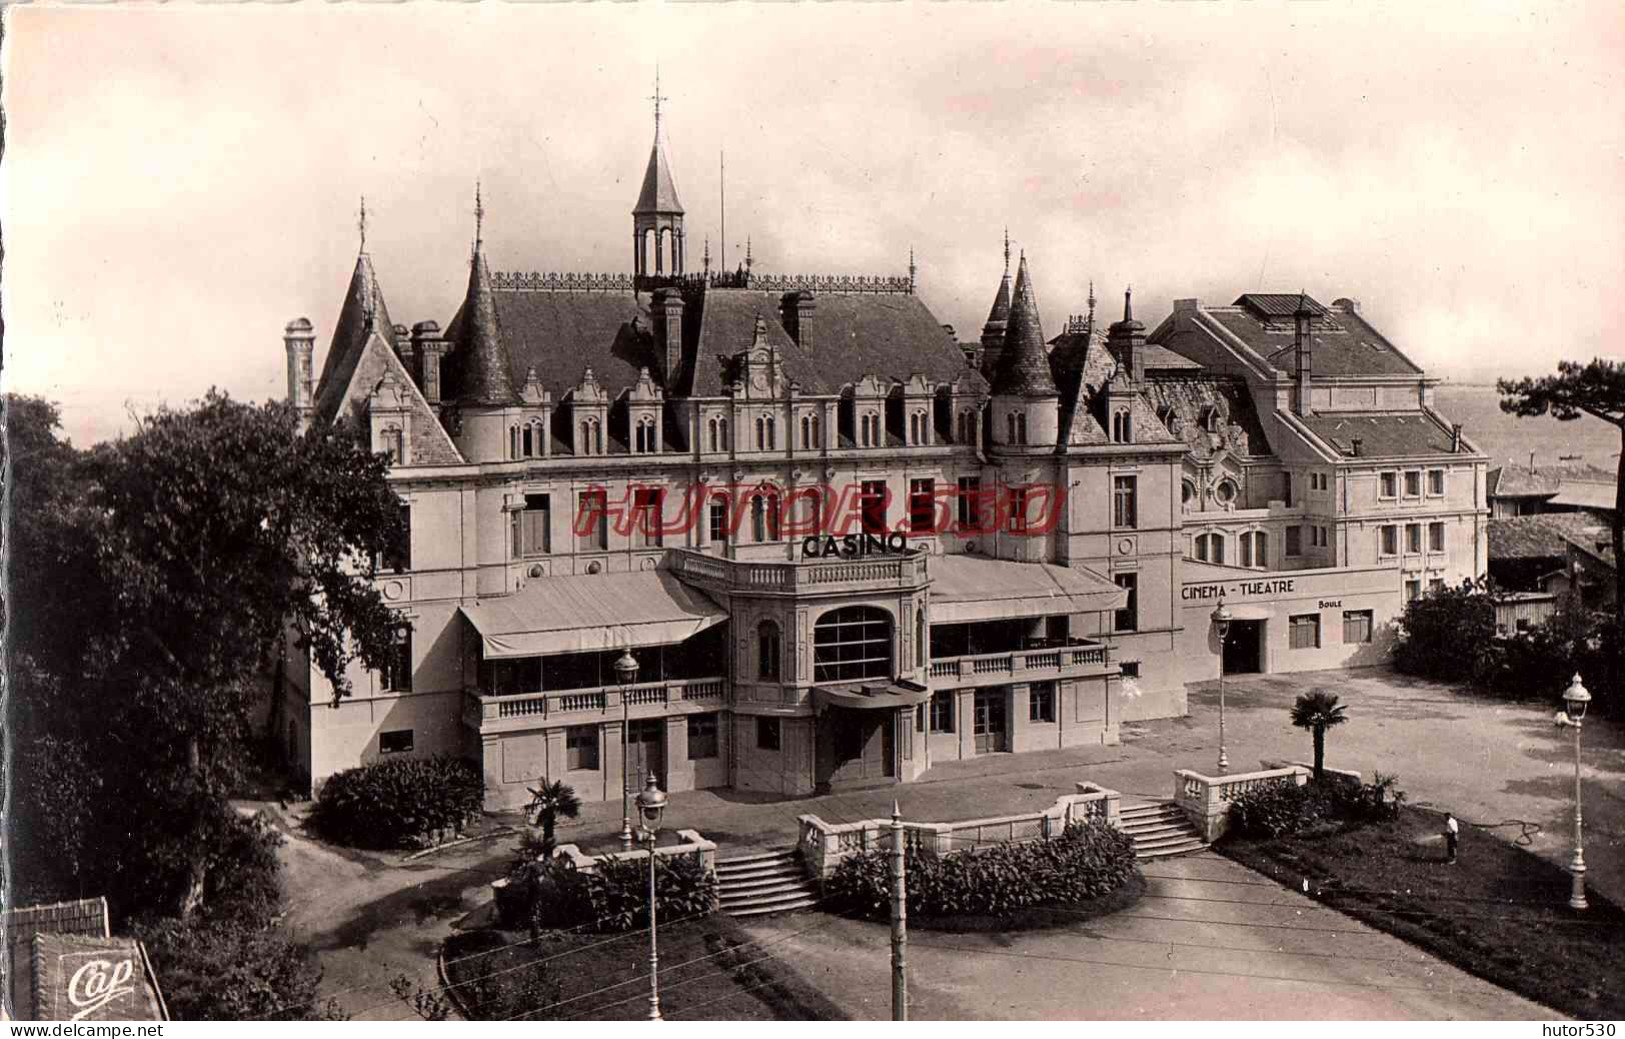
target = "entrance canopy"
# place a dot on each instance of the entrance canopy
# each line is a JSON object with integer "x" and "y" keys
{"x": 874, "y": 696}
{"x": 971, "y": 588}
{"x": 589, "y": 613}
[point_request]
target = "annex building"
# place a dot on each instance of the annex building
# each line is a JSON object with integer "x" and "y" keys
{"x": 840, "y": 545}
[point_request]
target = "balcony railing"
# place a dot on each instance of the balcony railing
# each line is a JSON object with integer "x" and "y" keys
{"x": 1077, "y": 653}
{"x": 484, "y": 709}
{"x": 906, "y": 570}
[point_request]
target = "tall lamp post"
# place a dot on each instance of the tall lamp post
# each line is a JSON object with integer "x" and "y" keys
{"x": 626, "y": 671}
{"x": 1575, "y": 699}
{"x": 651, "y": 805}
{"x": 1221, "y": 625}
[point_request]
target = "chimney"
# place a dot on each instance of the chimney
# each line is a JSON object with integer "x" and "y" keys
{"x": 1455, "y": 439}
{"x": 299, "y": 340}
{"x": 427, "y": 350}
{"x": 798, "y": 308}
{"x": 1302, "y": 353}
{"x": 667, "y": 310}
{"x": 1357, "y": 447}
{"x": 1348, "y": 306}
{"x": 1127, "y": 341}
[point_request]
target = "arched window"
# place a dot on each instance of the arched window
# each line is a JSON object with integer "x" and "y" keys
{"x": 1021, "y": 429}
{"x": 712, "y": 427}
{"x": 722, "y": 424}
{"x": 646, "y": 435}
{"x": 1010, "y": 420}
{"x": 529, "y": 442}
{"x": 761, "y": 434}
{"x": 851, "y": 644}
{"x": 394, "y": 445}
{"x": 597, "y": 437}
{"x": 513, "y": 442}
{"x": 817, "y": 441}
{"x": 1210, "y": 548}
{"x": 913, "y": 429}
{"x": 1122, "y": 427}
{"x": 764, "y": 517}
{"x": 767, "y": 651}
{"x": 919, "y": 638}
{"x": 806, "y": 432}
{"x": 772, "y": 434}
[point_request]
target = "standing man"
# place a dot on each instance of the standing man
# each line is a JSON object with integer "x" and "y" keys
{"x": 1452, "y": 835}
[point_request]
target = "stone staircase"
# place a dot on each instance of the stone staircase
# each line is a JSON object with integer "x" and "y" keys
{"x": 1159, "y": 828}
{"x": 765, "y": 882}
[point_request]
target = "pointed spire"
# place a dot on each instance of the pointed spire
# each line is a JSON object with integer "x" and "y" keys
{"x": 487, "y": 377}
{"x": 657, "y": 98}
{"x": 361, "y": 225}
{"x": 999, "y": 314}
{"x": 748, "y": 260}
{"x": 659, "y": 193}
{"x": 1024, "y": 364}
{"x": 1007, "y": 251}
{"x": 1092, "y": 300}
{"x": 911, "y": 267}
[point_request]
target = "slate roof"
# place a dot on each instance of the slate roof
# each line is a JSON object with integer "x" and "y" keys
{"x": 999, "y": 315}
{"x": 1410, "y": 434}
{"x": 363, "y": 311}
{"x": 1024, "y": 363}
{"x": 1542, "y": 536}
{"x": 1342, "y": 341}
{"x": 484, "y": 370}
{"x": 561, "y": 334}
{"x": 659, "y": 193}
{"x": 1184, "y": 398}
{"x": 430, "y": 444}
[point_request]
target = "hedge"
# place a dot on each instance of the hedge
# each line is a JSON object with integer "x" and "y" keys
{"x": 1086, "y": 861}
{"x": 1330, "y": 804}
{"x": 399, "y": 803}
{"x": 613, "y": 897}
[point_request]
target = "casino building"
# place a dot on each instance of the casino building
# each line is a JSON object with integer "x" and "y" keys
{"x": 786, "y": 534}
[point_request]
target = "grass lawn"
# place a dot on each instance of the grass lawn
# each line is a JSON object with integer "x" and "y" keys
{"x": 1500, "y": 912}
{"x": 709, "y": 970}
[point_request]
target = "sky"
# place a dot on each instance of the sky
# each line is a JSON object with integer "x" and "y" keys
{"x": 180, "y": 182}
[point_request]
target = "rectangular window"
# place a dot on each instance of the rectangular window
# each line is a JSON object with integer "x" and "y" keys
{"x": 719, "y": 519}
{"x": 1389, "y": 540}
{"x": 1435, "y": 537}
{"x": 1125, "y": 511}
{"x": 581, "y": 748}
{"x": 1128, "y": 618}
{"x": 397, "y": 672}
{"x": 922, "y": 506}
{"x": 646, "y": 505}
{"x": 1435, "y": 483}
{"x": 969, "y": 504}
{"x": 942, "y": 711}
{"x": 1294, "y": 541}
{"x": 592, "y": 520}
{"x": 532, "y": 527}
{"x": 1388, "y": 485}
{"x": 872, "y": 506}
{"x": 1018, "y": 510}
{"x": 1041, "y": 702}
{"x": 1246, "y": 550}
{"x": 397, "y": 553}
{"x": 1130, "y": 668}
{"x": 702, "y": 736}
{"x": 1413, "y": 589}
{"x": 1413, "y": 537}
{"x": 1413, "y": 483}
{"x": 1356, "y": 626}
{"x": 1305, "y": 631}
{"x": 397, "y": 741}
{"x": 767, "y": 733}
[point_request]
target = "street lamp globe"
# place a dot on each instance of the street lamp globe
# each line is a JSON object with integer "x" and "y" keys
{"x": 651, "y": 805}
{"x": 1576, "y": 698}
{"x": 1221, "y": 618}
{"x": 625, "y": 667}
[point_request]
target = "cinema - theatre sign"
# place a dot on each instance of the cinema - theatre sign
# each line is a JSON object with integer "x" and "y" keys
{"x": 1263, "y": 589}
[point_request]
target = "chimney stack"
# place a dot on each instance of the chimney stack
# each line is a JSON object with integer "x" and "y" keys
{"x": 1356, "y": 447}
{"x": 427, "y": 350}
{"x": 1127, "y": 341}
{"x": 798, "y": 308}
{"x": 1455, "y": 439}
{"x": 1302, "y": 353}
{"x": 668, "y": 321}
{"x": 299, "y": 340}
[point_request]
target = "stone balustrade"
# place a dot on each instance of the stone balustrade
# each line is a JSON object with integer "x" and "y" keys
{"x": 490, "y": 713}
{"x": 1205, "y": 800}
{"x": 993, "y": 667}
{"x": 906, "y": 570}
{"x": 823, "y": 845}
{"x": 692, "y": 843}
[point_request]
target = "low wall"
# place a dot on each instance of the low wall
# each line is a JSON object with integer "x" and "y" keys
{"x": 693, "y": 843}
{"x": 823, "y": 845}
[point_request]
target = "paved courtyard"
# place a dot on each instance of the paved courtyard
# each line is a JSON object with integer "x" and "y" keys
{"x": 372, "y": 916}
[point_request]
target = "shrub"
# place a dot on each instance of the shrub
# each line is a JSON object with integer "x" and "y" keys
{"x": 223, "y": 970}
{"x": 614, "y": 896}
{"x": 1447, "y": 633}
{"x": 391, "y": 804}
{"x": 1087, "y": 861}
{"x": 1334, "y": 802}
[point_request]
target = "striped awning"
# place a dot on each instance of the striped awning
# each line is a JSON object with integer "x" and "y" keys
{"x": 587, "y": 613}
{"x": 973, "y": 588}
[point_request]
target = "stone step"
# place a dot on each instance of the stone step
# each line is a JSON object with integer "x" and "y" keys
{"x": 1143, "y": 833}
{"x": 757, "y": 857}
{"x": 784, "y": 907}
{"x": 763, "y": 883}
{"x": 1160, "y": 808}
{"x": 1184, "y": 847}
{"x": 758, "y": 869}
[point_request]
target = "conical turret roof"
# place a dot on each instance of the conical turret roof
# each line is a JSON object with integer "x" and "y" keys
{"x": 363, "y": 312}
{"x": 659, "y": 194}
{"x": 486, "y": 375}
{"x": 1023, "y": 364}
{"x": 999, "y": 316}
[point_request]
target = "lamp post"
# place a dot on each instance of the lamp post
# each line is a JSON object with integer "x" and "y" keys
{"x": 1575, "y": 699}
{"x": 1221, "y": 625}
{"x": 626, "y": 670}
{"x": 651, "y": 805}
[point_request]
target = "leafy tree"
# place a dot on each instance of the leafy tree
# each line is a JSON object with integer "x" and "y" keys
{"x": 1597, "y": 389}
{"x": 548, "y": 804}
{"x": 216, "y": 969}
{"x": 1448, "y": 633}
{"x": 1317, "y": 711}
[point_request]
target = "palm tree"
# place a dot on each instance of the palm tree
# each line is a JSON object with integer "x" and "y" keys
{"x": 1318, "y": 710}
{"x": 549, "y": 803}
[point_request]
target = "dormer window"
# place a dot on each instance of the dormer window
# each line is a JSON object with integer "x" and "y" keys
{"x": 766, "y": 436}
{"x": 809, "y": 432}
{"x": 645, "y": 436}
{"x": 393, "y": 444}
{"x": 1122, "y": 427}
